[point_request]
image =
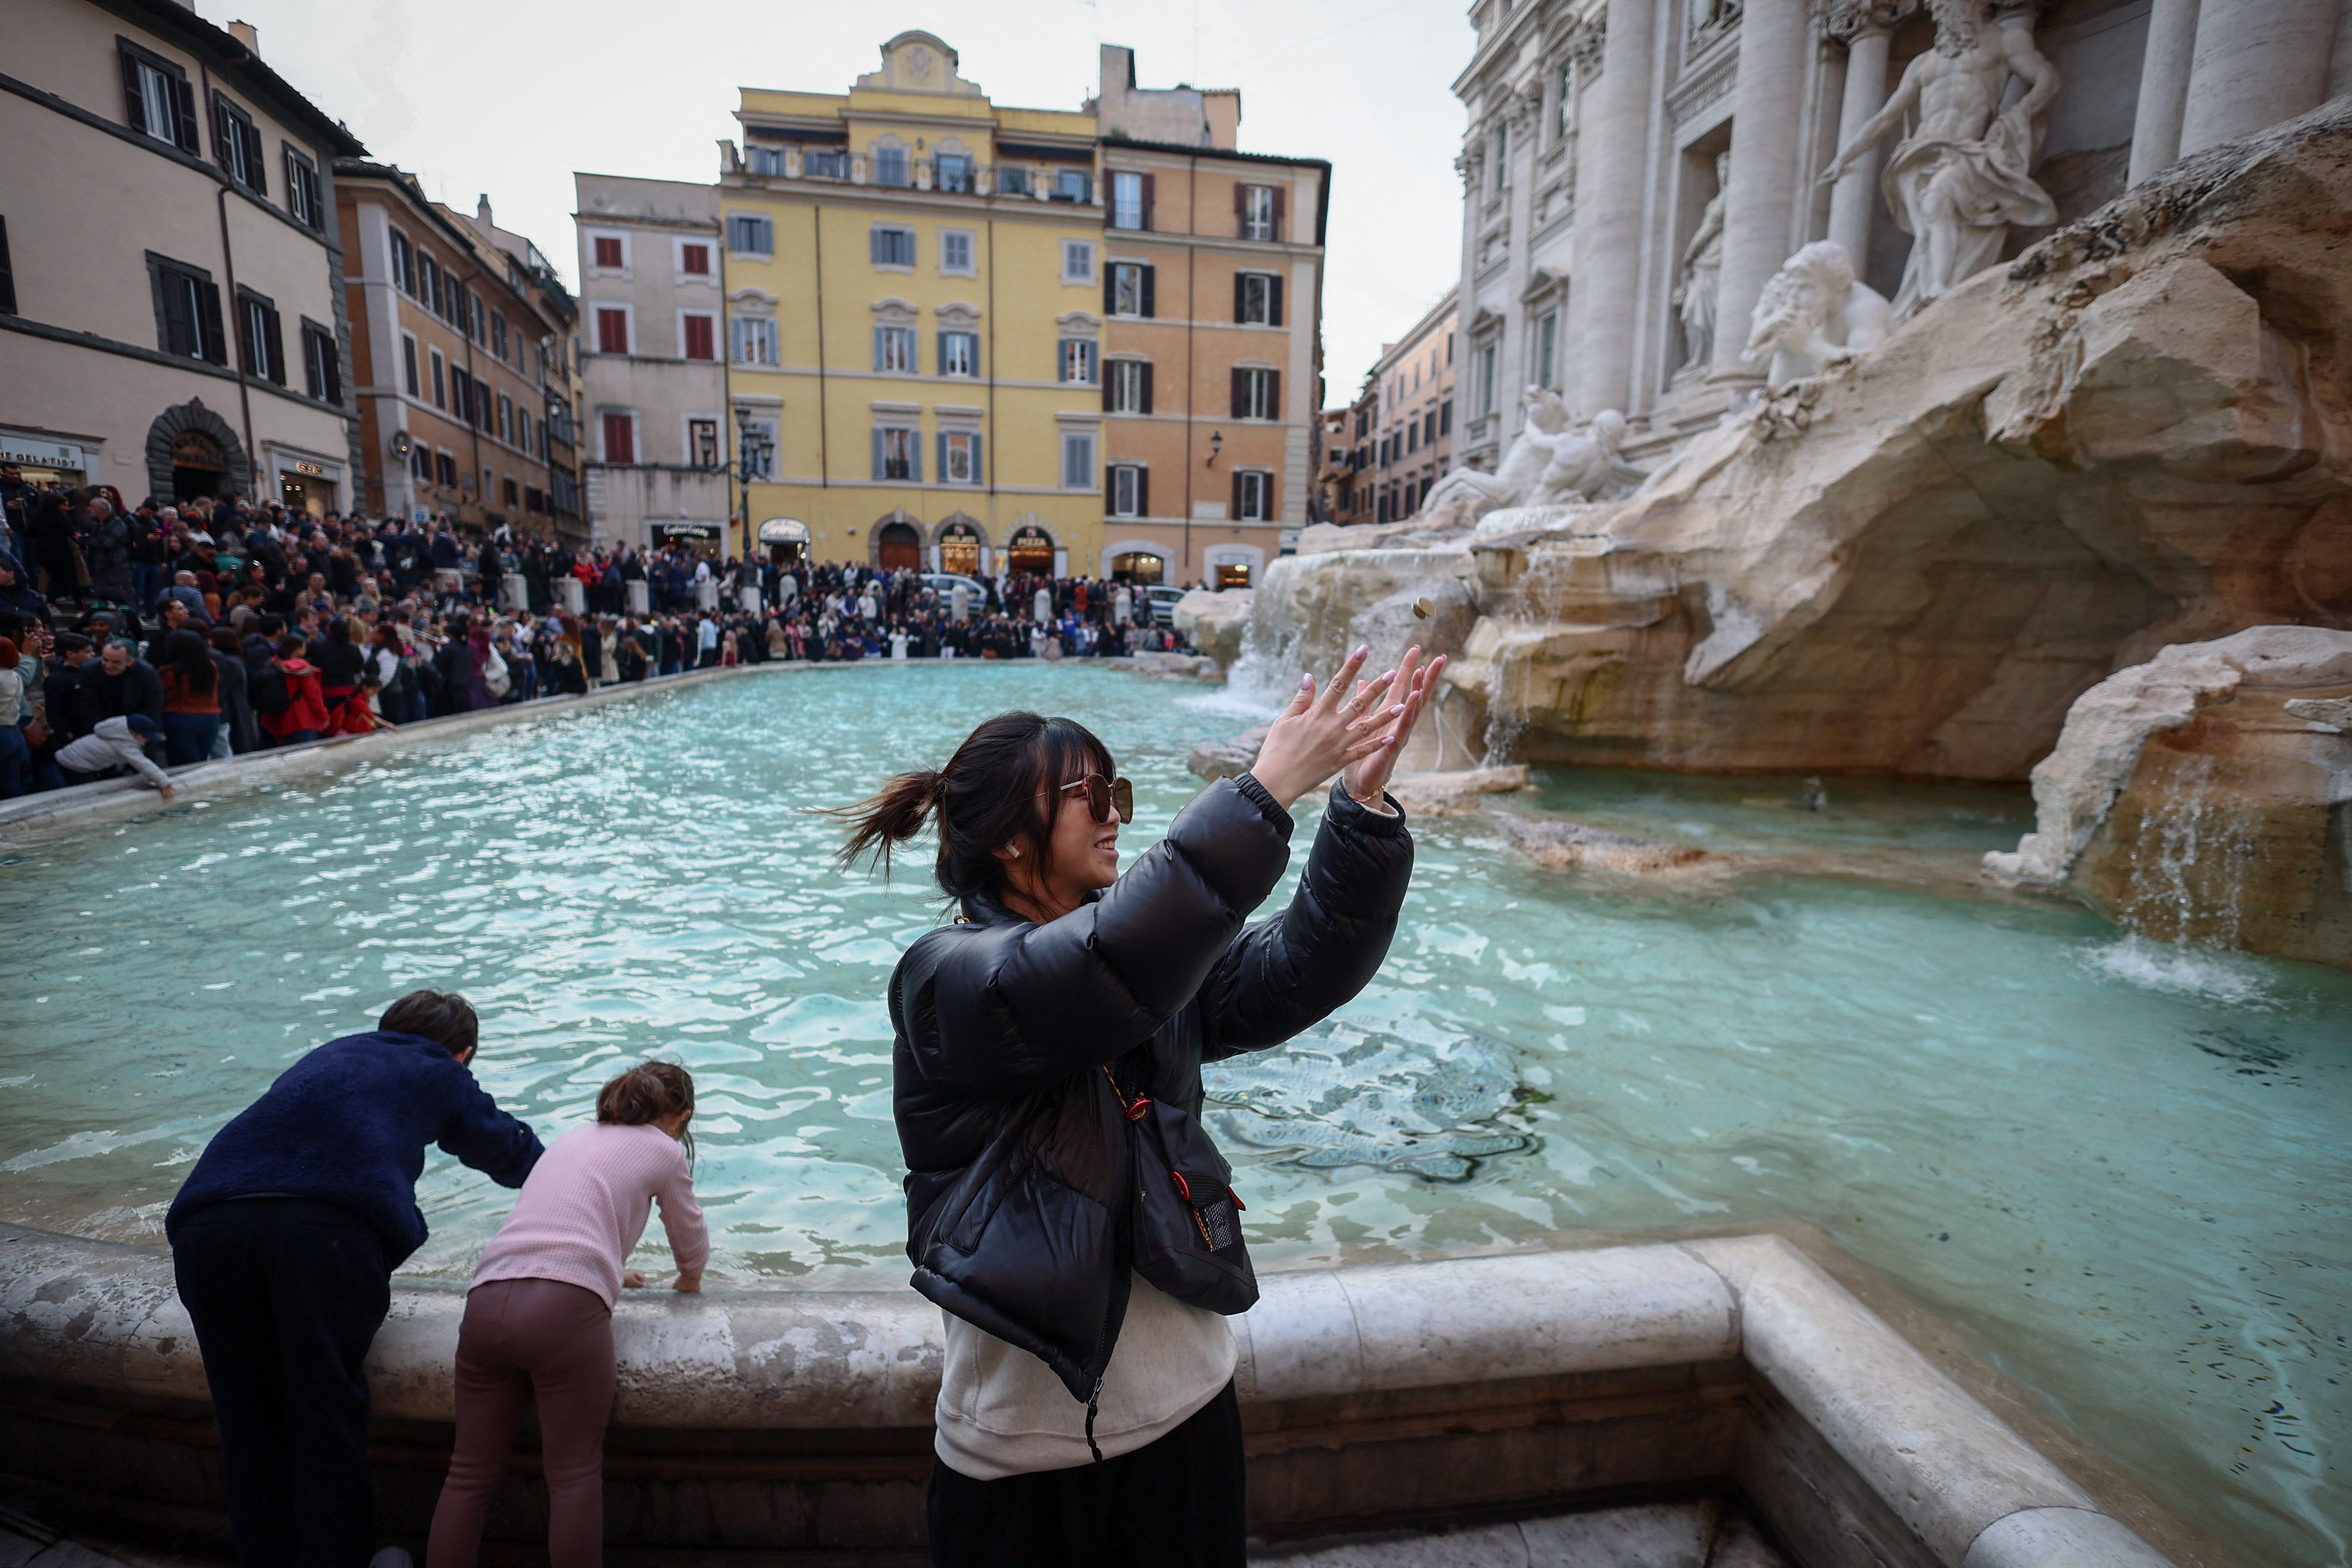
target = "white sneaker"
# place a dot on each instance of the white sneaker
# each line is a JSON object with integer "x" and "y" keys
{"x": 393, "y": 1557}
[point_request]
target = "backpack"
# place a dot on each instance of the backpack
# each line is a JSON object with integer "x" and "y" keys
{"x": 494, "y": 674}
{"x": 265, "y": 688}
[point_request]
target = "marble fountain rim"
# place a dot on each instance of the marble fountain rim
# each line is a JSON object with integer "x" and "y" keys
{"x": 105, "y": 1317}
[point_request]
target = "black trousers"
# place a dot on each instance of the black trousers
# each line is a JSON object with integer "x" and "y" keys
{"x": 287, "y": 1295}
{"x": 1174, "y": 1503}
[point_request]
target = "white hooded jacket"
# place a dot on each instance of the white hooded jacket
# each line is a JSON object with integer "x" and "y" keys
{"x": 112, "y": 745}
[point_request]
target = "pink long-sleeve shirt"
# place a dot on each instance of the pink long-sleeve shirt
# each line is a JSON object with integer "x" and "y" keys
{"x": 586, "y": 1204}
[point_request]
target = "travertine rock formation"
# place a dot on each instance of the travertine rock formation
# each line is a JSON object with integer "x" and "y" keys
{"x": 2202, "y": 796}
{"x": 1213, "y": 622}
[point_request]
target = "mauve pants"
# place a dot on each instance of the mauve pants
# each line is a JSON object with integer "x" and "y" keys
{"x": 520, "y": 1338}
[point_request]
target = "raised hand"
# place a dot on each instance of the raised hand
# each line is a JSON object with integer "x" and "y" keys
{"x": 1368, "y": 774}
{"x": 1321, "y": 734}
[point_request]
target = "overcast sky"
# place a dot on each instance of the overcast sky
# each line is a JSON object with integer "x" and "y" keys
{"x": 511, "y": 99}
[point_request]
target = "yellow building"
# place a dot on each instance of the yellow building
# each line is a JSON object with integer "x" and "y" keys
{"x": 913, "y": 283}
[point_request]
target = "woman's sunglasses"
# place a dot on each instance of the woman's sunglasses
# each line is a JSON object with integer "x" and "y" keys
{"x": 1102, "y": 796}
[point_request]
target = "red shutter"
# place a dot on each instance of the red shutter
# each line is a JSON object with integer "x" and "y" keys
{"x": 608, "y": 251}
{"x": 697, "y": 337}
{"x": 698, "y": 259}
{"x": 1150, "y": 187}
{"x": 1241, "y": 392}
{"x": 613, "y": 331}
{"x": 620, "y": 439}
{"x": 1241, "y": 209}
{"x": 1277, "y": 212}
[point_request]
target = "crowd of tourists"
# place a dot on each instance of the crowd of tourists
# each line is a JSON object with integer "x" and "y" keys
{"x": 140, "y": 639}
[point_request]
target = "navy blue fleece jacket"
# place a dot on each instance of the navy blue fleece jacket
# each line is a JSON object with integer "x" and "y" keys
{"x": 348, "y": 1125}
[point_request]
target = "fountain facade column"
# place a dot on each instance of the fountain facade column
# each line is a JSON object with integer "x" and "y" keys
{"x": 1866, "y": 26}
{"x": 2257, "y": 62}
{"x": 1610, "y": 241}
{"x": 2163, "y": 87}
{"x": 1767, "y": 137}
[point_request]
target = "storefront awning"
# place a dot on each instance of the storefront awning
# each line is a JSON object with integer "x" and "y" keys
{"x": 784, "y": 530}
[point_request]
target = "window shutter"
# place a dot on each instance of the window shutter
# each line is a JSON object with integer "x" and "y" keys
{"x": 1147, "y": 388}
{"x": 1274, "y": 302}
{"x": 941, "y": 440}
{"x": 253, "y": 164}
{"x": 1277, "y": 191}
{"x": 1241, "y": 217}
{"x": 1109, "y": 384}
{"x": 1150, "y": 281}
{"x": 274, "y": 344}
{"x": 941, "y": 347}
{"x": 877, "y": 452}
{"x": 134, "y": 102}
{"x": 915, "y": 456}
{"x": 1241, "y": 392}
{"x": 1110, "y": 284}
{"x": 874, "y": 245}
{"x": 330, "y": 362}
{"x": 1150, "y": 182}
{"x": 1241, "y": 303}
{"x": 877, "y": 347}
{"x": 1236, "y": 513}
{"x": 224, "y": 132}
{"x": 216, "y": 343}
{"x": 183, "y": 99}
{"x": 1142, "y": 492}
{"x": 1273, "y": 394}
{"x": 975, "y": 458}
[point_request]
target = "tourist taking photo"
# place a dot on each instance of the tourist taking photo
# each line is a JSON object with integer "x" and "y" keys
{"x": 1066, "y": 1209}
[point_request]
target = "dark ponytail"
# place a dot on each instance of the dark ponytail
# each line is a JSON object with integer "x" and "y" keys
{"x": 646, "y": 1092}
{"x": 997, "y": 790}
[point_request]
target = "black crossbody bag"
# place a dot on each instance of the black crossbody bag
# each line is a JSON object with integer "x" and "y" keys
{"x": 1188, "y": 1227}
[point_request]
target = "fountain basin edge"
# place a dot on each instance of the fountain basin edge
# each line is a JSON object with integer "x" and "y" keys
{"x": 799, "y": 1422}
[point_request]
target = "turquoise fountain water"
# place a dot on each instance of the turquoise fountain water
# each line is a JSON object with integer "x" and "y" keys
{"x": 2122, "y": 1168}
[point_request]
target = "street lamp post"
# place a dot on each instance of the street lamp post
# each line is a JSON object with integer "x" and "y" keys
{"x": 752, "y": 449}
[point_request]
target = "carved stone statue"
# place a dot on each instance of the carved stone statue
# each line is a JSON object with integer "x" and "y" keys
{"x": 1815, "y": 313}
{"x": 1958, "y": 181}
{"x": 1588, "y": 466}
{"x": 1464, "y": 496}
{"x": 1702, "y": 274}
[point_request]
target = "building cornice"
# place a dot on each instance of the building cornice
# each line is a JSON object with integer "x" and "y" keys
{"x": 75, "y": 338}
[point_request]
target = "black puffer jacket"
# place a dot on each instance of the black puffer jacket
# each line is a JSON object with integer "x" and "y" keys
{"x": 1020, "y": 1176}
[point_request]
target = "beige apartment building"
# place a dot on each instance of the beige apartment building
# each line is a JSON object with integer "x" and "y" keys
{"x": 1211, "y": 357}
{"x": 654, "y": 328}
{"x": 186, "y": 334}
{"x": 1412, "y": 436}
{"x": 455, "y": 355}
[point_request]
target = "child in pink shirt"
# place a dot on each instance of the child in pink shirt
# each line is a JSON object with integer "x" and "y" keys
{"x": 539, "y": 1318}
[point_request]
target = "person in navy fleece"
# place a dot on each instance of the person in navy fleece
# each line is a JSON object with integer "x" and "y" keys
{"x": 283, "y": 1242}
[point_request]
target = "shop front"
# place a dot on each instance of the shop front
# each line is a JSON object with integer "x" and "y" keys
{"x": 1140, "y": 567}
{"x": 705, "y": 538}
{"x": 48, "y": 460}
{"x": 785, "y": 540}
{"x": 1030, "y": 552}
{"x": 961, "y": 550}
{"x": 304, "y": 482}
